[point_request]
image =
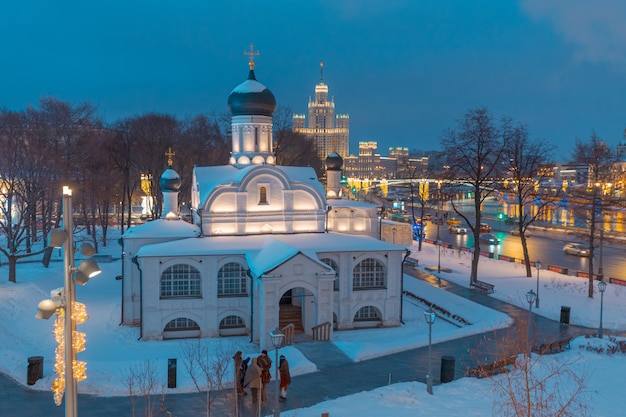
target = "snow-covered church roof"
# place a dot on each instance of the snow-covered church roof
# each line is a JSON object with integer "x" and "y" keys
{"x": 266, "y": 252}
{"x": 162, "y": 228}
{"x": 209, "y": 178}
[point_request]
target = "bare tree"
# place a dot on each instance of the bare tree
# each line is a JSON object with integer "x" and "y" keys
{"x": 208, "y": 370}
{"x": 292, "y": 148}
{"x": 599, "y": 158}
{"x": 22, "y": 172}
{"x": 522, "y": 159}
{"x": 203, "y": 141}
{"x": 141, "y": 380}
{"x": 474, "y": 151}
{"x": 156, "y": 133}
{"x": 531, "y": 384}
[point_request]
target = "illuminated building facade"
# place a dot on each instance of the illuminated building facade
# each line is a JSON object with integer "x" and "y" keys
{"x": 330, "y": 133}
{"x": 264, "y": 238}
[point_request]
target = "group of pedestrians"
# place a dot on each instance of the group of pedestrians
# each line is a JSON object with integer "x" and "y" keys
{"x": 255, "y": 374}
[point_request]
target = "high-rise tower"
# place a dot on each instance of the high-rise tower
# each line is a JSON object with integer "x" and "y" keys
{"x": 331, "y": 133}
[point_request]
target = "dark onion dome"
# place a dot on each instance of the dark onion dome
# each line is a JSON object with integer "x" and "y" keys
{"x": 251, "y": 98}
{"x": 170, "y": 180}
{"x": 334, "y": 162}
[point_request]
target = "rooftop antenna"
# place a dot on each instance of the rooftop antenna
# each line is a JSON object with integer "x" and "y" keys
{"x": 321, "y": 71}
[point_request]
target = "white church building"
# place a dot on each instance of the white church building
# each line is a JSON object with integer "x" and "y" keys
{"x": 269, "y": 246}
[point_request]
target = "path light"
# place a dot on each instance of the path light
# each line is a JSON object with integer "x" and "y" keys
{"x": 538, "y": 266}
{"x": 277, "y": 341}
{"x": 601, "y": 288}
{"x": 69, "y": 313}
{"x": 430, "y": 319}
{"x": 530, "y": 297}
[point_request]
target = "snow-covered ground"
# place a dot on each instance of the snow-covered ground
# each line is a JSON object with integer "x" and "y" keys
{"x": 112, "y": 350}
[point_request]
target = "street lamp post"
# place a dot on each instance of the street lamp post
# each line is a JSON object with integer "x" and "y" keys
{"x": 277, "y": 341}
{"x": 530, "y": 297}
{"x": 65, "y": 299}
{"x": 430, "y": 319}
{"x": 538, "y": 266}
{"x": 601, "y": 288}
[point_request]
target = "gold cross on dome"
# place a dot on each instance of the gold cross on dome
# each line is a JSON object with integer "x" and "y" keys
{"x": 251, "y": 54}
{"x": 169, "y": 155}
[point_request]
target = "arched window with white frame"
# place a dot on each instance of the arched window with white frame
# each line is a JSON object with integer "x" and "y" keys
{"x": 232, "y": 280}
{"x": 368, "y": 274}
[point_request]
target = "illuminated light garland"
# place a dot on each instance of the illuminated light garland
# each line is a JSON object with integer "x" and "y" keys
{"x": 79, "y": 312}
{"x": 78, "y": 341}
{"x": 79, "y": 368}
{"x": 58, "y": 385}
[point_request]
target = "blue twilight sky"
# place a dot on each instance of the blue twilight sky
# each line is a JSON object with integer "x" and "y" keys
{"x": 404, "y": 70}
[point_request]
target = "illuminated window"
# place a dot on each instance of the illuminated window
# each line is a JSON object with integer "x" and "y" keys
{"x": 180, "y": 280}
{"x": 333, "y": 265}
{"x": 367, "y": 313}
{"x": 231, "y": 322}
{"x": 231, "y": 280}
{"x": 369, "y": 273}
{"x": 262, "y": 195}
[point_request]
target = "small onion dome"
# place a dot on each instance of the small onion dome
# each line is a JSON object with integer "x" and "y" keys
{"x": 334, "y": 162}
{"x": 170, "y": 180}
{"x": 251, "y": 98}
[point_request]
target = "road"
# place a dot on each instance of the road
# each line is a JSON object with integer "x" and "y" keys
{"x": 542, "y": 245}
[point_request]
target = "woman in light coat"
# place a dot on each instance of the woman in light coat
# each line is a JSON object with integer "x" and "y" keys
{"x": 253, "y": 380}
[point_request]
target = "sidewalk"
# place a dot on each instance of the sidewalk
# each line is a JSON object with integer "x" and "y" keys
{"x": 337, "y": 376}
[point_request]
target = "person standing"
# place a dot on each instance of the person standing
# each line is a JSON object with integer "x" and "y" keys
{"x": 285, "y": 377}
{"x": 253, "y": 380}
{"x": 265, "y": 363}
{"x": 237, "y": 364}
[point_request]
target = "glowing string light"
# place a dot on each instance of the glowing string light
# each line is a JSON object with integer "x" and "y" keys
{"x": 79, "y": 368}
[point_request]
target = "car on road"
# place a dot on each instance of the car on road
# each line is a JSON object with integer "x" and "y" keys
{"x": 489, "y": 238}
{"x": 453, "y": 221}
{"x": 456, "y": 229}
{"x": 576, "y": 249}
{"x": 485, "y": 228}
{"x": 515, "y": 232}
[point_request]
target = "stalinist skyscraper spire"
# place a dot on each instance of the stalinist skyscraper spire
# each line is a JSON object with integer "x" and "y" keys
{"x": 331, "y": 133}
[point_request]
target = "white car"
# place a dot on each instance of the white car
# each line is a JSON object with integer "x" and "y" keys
{"x": 576, "y": 249}
{"x": 457, "y": 229}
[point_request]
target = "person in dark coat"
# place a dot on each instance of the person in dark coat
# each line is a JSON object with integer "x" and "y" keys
{"x": 244, "y": 369}
{"x": 238, "y": 379}
{"x": 285, "y": 377}
{"x": 265, "y": 363}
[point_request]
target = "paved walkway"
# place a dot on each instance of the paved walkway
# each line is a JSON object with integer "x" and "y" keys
{"x": 337, "y": 376}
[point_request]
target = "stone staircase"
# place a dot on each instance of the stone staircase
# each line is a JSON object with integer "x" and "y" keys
{"x": 291, "y": 314}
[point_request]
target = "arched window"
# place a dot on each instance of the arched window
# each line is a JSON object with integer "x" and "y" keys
{"x": 331, "y": 262}
{"x": 231, "y": 280}
{"x": 369, "y": 273}
{"x": 180, "y": 280}
{"x": 262, "y": 195}
{"x": 181, "y": 323}
{"x": 367, "y": 313}
{"x": 231, "y": 322}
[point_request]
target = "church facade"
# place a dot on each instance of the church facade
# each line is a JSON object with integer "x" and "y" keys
{"x": 265, "y": 239}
